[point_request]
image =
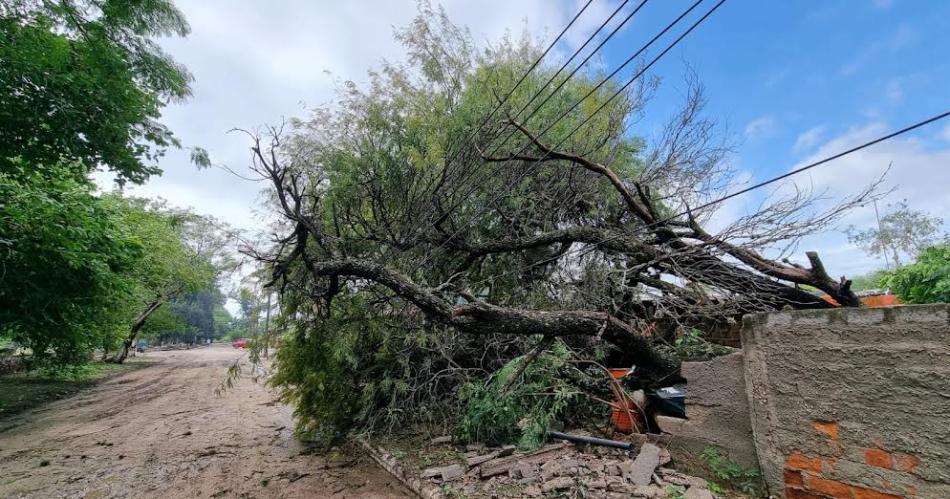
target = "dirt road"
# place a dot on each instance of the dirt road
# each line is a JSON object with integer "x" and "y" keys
{"x": 160, "y": 431}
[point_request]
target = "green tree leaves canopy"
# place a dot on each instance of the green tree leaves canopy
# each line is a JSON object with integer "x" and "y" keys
{"x": 68, "y": 264}
{"x": 82, "y": 81}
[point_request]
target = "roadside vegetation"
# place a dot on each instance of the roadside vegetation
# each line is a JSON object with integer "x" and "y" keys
{"x": 454, "y": 246}
{"x": 22, "y": 391}
{"x": 86, "y": 272}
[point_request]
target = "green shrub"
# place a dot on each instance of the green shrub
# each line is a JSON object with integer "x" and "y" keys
{"x": 925, "y": 281}
{"x": 522, "y": 412}
{"x": 743, "y": 479}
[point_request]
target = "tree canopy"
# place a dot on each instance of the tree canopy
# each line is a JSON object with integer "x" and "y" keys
{"x": 81, "y": 269}
{"x": 415, "y": 248}
{"x": 901, "y": 232}
{"x": 85, "y": 84}
{"x": 82, "y": 86}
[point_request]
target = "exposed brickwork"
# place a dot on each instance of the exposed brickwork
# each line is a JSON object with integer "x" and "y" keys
{"x": 793, "y": 493}
{"x": 801, "y": 462}
{"x": 863, "y": 493}
{"x": 794, "y": 479}
{"x": 827, "y": 428}
{"x": 830, "y": 488}
{"x": 905, "y": 462}
{"x": 805, "y": 474}
{"x": 878, "y": 458}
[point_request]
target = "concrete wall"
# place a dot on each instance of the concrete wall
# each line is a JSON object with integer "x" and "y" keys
{"x": 851, "y": 403}
{"x": 717, "y": 409}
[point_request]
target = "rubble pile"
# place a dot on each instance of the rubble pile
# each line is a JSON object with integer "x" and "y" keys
{"x": 565, "y": 470}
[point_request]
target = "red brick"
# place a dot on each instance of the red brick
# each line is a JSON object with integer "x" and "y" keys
{"x": 863, "y": 493}
{"x": 879, "y": 458}
{"x": 793, "y": 478}
{"x": 905, "y": 462}
{"x": 798, "y": 461}
{"x": 827, "y": 428}
{"x": 793, "y": 493}
{"x": 831, "y": 488}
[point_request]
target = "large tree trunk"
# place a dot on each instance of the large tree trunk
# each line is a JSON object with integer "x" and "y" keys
{"x": 123, "y": 352}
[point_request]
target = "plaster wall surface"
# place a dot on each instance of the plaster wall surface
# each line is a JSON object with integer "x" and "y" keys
{"x": 718, "y": 414}
{"x": 851, "y": 403}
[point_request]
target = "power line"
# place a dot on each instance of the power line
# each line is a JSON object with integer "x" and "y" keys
{"x": 524, "y": 76}
{"x": 533, "y": 66}
{"x": 759, "y": 185}
{"x": 611, "y": 75}
{"x": 577, "y": 52}
{"x": 576, "y": 69}
{"x": 640, "y": 73}
{"x": 826, "y": 160}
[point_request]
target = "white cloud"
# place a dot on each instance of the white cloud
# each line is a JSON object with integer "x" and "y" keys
{"x": 895, "y": 90}
{"x": 902, "y": 37}
{"x": 258, "y": 62}
{"x": 760, "y": 127}
{"x": 807, "y": 139}
{"x": 918, "y": 173}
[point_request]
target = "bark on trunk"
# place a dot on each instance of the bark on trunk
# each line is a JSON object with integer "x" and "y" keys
{"x": 123, "y": 352}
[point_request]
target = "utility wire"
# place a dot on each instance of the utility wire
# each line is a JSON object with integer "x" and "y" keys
{"x": 614, "y": 73}
{"x": 759, "y": 185}
{"x": 637, "y": 75}
{"x": 576, "y": 69}
{"x": 550, "y": 80}
{"x": 524, "y": 76}
{"x": 541, "y": 89}
{"x": 640, "y": 73}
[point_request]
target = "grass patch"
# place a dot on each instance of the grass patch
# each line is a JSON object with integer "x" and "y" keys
{"x": 26, "y": 390}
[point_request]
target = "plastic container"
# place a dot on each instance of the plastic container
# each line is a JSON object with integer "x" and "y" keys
{"x": 622, "y": 410}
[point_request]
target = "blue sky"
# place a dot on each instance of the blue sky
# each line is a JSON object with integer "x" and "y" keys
{"x": 775, "y": 70}
{"x": 798, "y": 81}
{"x": 792, "y": 80}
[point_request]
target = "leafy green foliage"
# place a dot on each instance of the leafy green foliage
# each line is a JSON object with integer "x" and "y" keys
{"x": 81, "y": 81}
{"x": 743, "y": 479}
{"x": 523, "y": 410}
{"x": 925, "y": 281}
{"x": 82, "y": 85}
{"x": 383, "y": 163}
{"x": 68, "y": 264}
{"x": 80, "y": 268}
{"x": 691, "y": 345}
{"x": 320, "y": 372}
{"x": 675, "y": 491}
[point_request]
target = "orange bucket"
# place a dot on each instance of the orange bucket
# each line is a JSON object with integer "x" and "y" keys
{"x": 621, "y": 410}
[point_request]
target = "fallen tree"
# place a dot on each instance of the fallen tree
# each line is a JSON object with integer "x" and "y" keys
{"x": 515, "y": 233}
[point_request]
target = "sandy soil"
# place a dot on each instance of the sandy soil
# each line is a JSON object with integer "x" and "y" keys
{"x": 161, "y": 431}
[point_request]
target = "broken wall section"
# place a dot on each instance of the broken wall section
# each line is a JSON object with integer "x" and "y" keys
{"x": 851, "y": 403}
{"x": 717, "y": 409}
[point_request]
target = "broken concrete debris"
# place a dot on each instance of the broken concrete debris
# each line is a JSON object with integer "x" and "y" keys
{"x": 600, "y": 472}
{"x": 446, "y": 473}
{"x": 641, "y": 470}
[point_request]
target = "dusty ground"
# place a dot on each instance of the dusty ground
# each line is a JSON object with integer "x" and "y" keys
{"x": 160, "y": 431}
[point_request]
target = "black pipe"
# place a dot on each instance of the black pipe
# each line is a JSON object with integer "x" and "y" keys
{"x": 590, "y": 440}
